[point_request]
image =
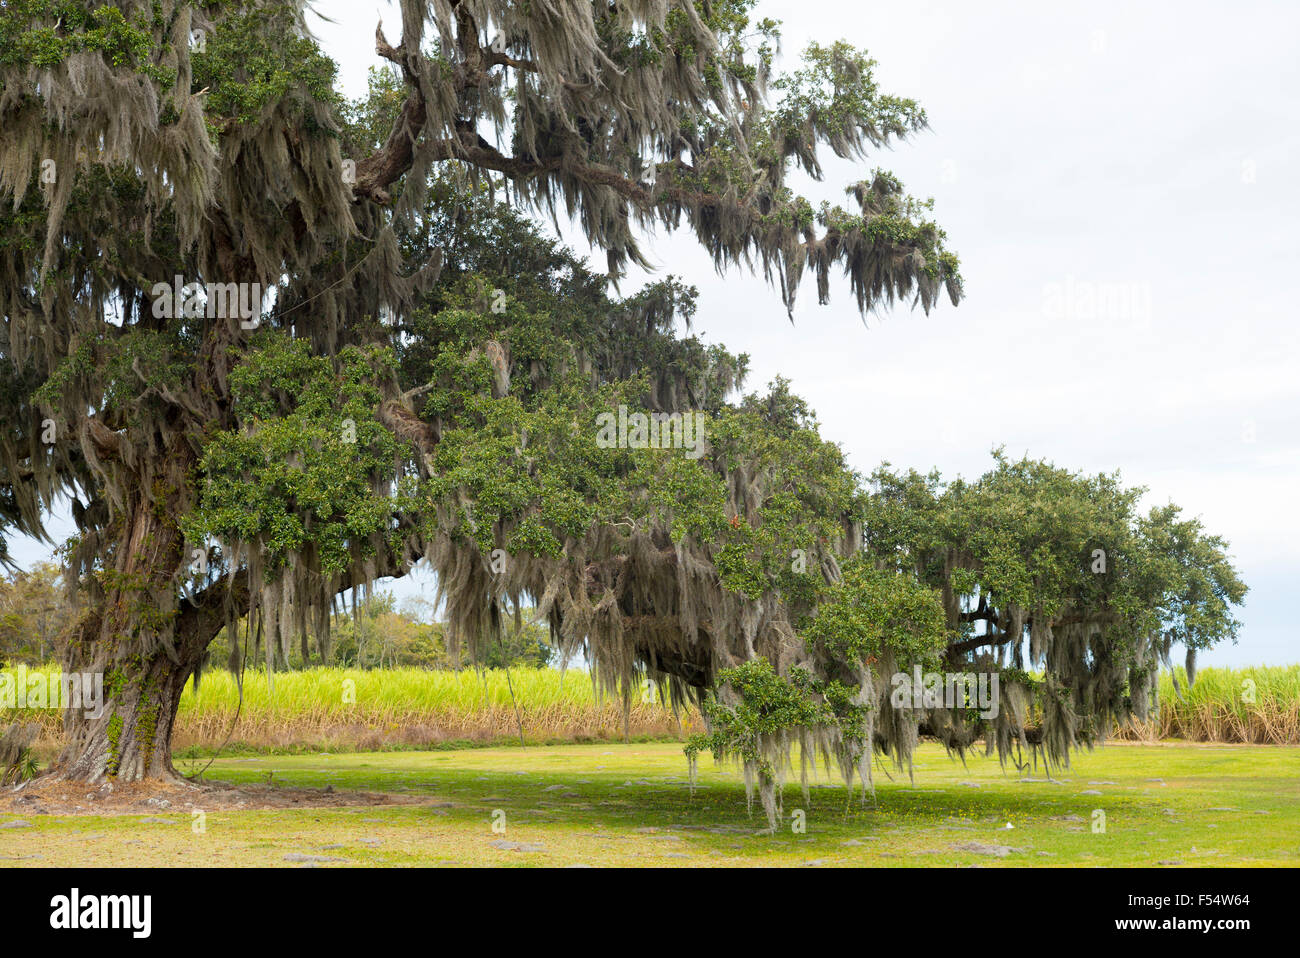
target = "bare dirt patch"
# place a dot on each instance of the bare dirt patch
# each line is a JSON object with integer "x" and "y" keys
{"x": 53, "y": 797}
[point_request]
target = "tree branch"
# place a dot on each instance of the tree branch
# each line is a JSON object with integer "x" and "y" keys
{"x": 107, "y": 443}
{"x": 376, "y": 173}
{"x": 979, "y": 641}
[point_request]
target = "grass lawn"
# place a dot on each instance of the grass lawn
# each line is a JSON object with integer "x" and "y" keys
{"x": 1176, "y": 805}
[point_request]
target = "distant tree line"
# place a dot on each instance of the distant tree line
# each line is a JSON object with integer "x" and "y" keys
{"x": 37, "y": 616}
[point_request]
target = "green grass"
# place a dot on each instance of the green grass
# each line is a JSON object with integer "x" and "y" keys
{"x": 630, "y": 805}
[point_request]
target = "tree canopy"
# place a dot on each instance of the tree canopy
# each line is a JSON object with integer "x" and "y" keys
{"x": 1052, "y": 581}
{"x": 272, "y": 345}
{"x": 211, "y": 259}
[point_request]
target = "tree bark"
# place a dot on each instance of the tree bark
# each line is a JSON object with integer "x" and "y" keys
{"x": 130, "y": 740}
{"x": 144, "y": 652}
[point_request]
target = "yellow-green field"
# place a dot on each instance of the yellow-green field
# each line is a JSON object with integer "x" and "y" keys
{"x": 1259, "y": 704}
{"x": 358, "y": 710}
{"x": 617, "y": 804}
{"x": 335, "y": 709}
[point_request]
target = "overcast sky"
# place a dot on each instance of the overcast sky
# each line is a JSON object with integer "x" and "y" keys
{"x": 1079, "y": 153}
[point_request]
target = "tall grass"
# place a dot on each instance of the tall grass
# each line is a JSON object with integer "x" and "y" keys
{"x": 345, "y": 709}
{"x": 337, "y": 707}
{"x": 340, "y": 708}
{"x": 1259, "y": 704}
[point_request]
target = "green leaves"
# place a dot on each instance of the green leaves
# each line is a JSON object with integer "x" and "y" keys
{"x": 871, "y": 613}
{"x": 834, "y": 97}
{"x": 764, "y": 705}
{"x": 256, "y": 57}
{"x": 1194, "y": 577}
{"x": 80, "y": 27}
{"x": 1062, "y": 548}
{"x": 309, "y": 466}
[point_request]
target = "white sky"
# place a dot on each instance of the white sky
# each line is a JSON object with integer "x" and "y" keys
{"x": 1148, "y": 155}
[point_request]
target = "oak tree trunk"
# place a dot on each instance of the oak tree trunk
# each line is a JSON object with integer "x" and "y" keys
{"x": 131, "y": 739}
{"x": 144, "y": 652}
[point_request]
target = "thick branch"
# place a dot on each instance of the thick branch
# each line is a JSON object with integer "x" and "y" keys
{"x": 407, "y": 425}
{"x": 979, "y": 641}
{"x": 376, "y": 173}
{"x": 107, "y": 443}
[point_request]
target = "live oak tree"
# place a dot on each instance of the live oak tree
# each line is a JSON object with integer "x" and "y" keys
{"x": 1039, "y": 568}
{"x": 425, "y": 380}
{"x": 164, "y": 164}
{"x": 1052, "y": 581}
